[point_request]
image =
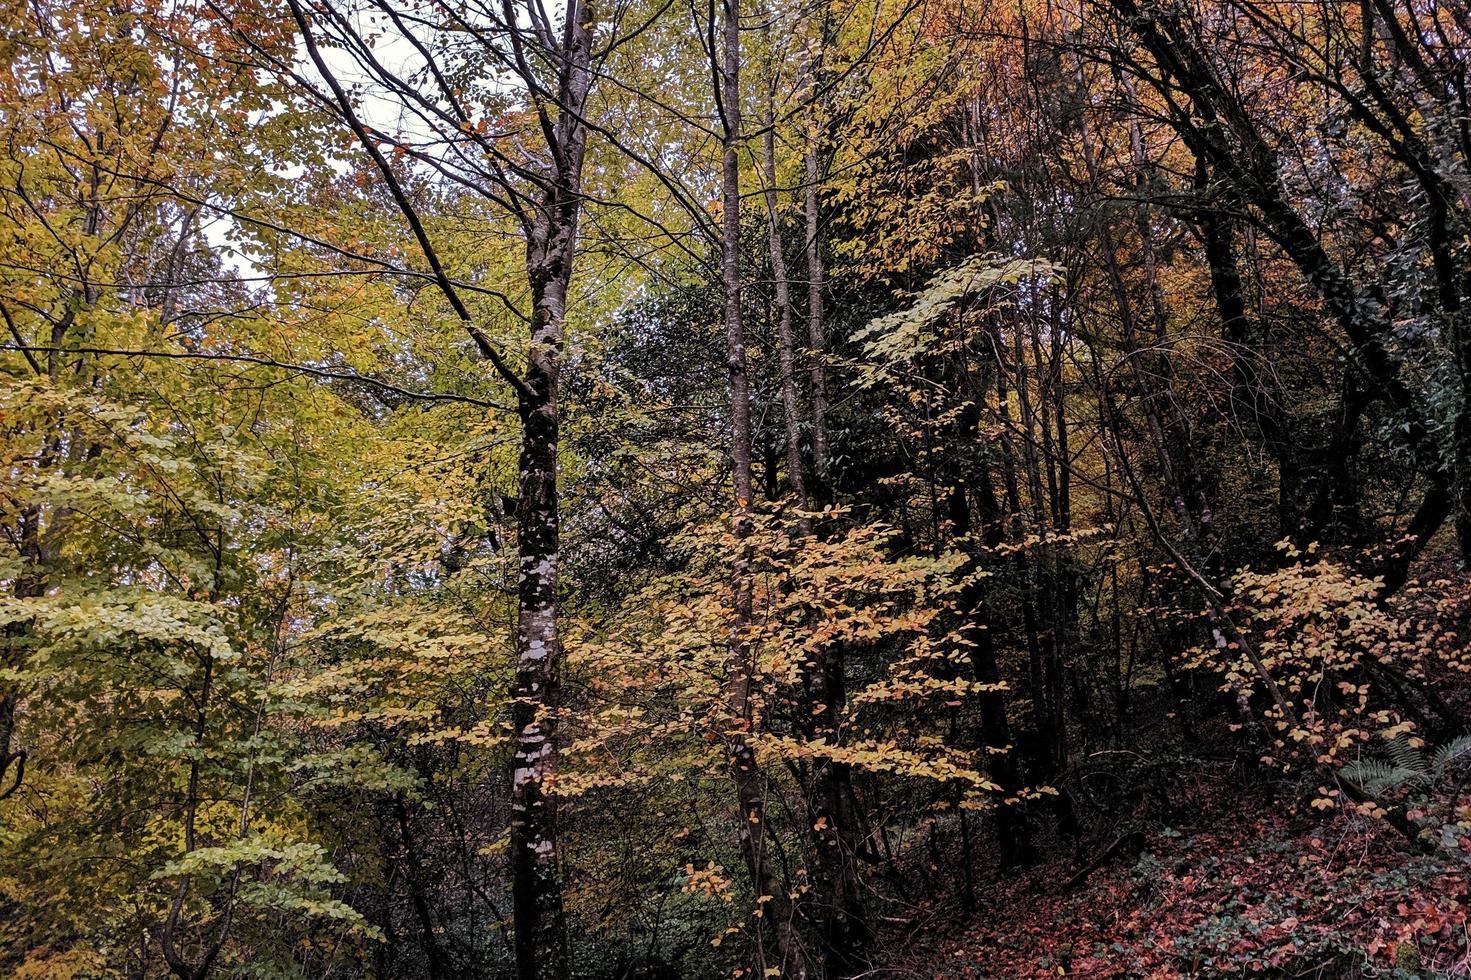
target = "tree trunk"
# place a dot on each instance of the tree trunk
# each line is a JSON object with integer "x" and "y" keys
{"x": 551, "y": 242}
{"x": 786, "y": 346}
{"x": 535, "y": 883}
{"x": 1252, "y": 393}
{"x": 816, "y": 330}
{"x": 750, "y": 784}
{"x": 1012, "y": 833}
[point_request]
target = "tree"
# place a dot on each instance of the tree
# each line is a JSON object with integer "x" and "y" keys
{"x": 541, "y": 192}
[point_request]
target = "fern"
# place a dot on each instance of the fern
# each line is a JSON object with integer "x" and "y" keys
{"x": 1377, "y": 776}
{"x": 1407, "y": 766}
{"x": 1446, "y": 758}
{"x": 1405, "y": 756}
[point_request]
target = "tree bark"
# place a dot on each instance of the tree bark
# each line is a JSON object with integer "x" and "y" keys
{"x": 775, "y": 909}
{"x": 816, "y": 328}
{"x": 786, "y": 346}
{"x": 551, "y": 242}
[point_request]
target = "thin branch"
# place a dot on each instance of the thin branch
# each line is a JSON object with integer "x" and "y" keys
{"x": 316, "y": 372}
{"x": 411, "y": 215}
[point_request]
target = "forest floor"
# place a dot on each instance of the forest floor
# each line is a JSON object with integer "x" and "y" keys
{"x": 1234, "y": 883}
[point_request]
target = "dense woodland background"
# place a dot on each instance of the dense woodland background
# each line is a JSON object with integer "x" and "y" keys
{"x": 651, "y": 488}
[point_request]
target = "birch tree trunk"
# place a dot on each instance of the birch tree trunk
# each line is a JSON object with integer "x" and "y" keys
{"x": 540, "y": 931}
{"x": 535, "y": 882}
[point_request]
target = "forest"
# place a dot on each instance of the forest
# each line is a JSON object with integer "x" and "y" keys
{"x": 653, "y": 489}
